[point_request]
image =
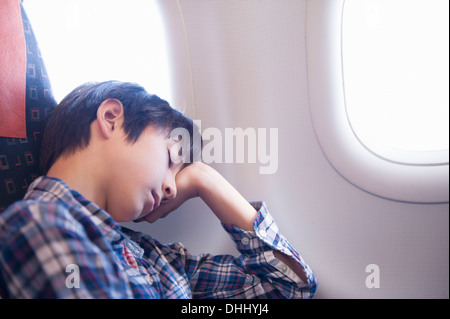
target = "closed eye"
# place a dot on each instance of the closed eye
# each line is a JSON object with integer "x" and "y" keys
{"x": 170, "y": 159}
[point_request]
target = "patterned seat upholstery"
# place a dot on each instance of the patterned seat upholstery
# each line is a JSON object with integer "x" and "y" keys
{"x": 19, "y": 158}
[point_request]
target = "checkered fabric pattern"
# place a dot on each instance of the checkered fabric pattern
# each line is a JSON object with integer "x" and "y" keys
{"x": 55, "y": 228}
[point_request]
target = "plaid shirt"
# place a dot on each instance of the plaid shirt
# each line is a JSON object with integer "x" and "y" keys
{"x": 57, "y": 244}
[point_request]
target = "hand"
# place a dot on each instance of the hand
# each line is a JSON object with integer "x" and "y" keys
{"x": 201, "y": 180}
{"x": 187, "y": 184}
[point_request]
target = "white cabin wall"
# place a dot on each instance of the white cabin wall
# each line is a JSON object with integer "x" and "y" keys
{"x": 247, "y": 68}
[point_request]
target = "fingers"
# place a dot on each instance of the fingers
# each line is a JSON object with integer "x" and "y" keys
{"x": 163, "y": 210}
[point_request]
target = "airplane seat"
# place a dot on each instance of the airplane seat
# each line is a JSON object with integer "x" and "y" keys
{"x": 19, "y": 156}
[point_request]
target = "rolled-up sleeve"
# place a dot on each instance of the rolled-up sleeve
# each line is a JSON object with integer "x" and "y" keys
{"x": 256, "y": 272}
{"x": 257, "y": 247}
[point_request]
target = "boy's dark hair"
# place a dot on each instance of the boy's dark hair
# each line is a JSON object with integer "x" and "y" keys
{"x": 68, "y": 126}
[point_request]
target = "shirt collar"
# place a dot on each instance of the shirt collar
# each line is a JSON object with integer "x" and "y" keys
{"x": 51, "y": 189}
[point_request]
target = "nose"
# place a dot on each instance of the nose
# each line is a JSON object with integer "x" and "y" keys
{"x": 169, "y": 189}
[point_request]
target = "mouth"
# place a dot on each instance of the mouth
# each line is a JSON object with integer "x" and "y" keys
{"x": 156, "y": 200}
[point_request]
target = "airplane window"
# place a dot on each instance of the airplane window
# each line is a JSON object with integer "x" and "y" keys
{"x": 396, "y": 77}
{"x": 83, "y": 41}
{"x": 378, "y": 78}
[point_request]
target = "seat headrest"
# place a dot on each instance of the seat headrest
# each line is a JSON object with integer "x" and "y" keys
{"x": 19, "y": 157}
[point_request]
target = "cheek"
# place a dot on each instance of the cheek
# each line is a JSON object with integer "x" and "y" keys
{"x": 153, "y": 169}
{"x": 133, "y": 194}
{"x": 126, "y": 206}
{"x": 125, "y": 199}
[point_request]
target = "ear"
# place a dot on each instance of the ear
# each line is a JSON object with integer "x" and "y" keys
{"x": 110, "y": 115}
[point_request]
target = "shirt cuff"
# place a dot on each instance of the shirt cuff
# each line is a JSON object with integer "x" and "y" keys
{"x": 264, "y": 239}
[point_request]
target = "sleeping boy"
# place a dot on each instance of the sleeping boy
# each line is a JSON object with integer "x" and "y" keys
{"x": 106, "y": 158}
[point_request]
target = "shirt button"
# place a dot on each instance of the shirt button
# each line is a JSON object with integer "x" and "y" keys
{"x": 245, "y": 241}
{"x": 284, "y": 268}
{"x": 262, "y": 233}
{"x": 150, "y": 280}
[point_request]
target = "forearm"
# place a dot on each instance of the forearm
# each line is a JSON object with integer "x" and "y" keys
{"x": 230, "y": 207}
{"x": 233, "y": 209}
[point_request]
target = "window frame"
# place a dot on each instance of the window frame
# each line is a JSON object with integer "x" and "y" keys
{"x": 405, "y": 182}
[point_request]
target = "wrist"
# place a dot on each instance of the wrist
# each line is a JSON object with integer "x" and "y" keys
{"x": 223, "y": 199}
{"x": 207, "y": 181}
